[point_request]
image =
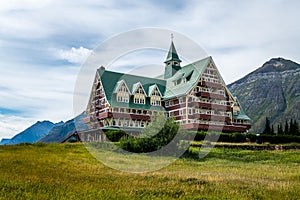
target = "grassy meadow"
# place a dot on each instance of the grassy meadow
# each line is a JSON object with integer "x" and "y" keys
{"x": 69, "y": 171}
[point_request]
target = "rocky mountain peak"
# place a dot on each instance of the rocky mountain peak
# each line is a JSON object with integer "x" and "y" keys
{"x": 273, "y": 91}
{"x": 277, "y": 65}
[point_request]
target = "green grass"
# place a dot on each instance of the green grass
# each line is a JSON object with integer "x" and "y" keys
{"x": 68, "y": 171}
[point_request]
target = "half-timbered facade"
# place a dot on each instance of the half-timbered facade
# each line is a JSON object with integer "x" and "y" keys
{"x": 195, "y": 95}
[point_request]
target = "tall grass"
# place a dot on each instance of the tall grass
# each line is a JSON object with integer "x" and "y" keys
{"x": 68, "y": 171}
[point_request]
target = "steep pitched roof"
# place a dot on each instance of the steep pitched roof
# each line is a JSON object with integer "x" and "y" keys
{"x": 194, "y": 70}
{"x": 119, "y": 84}
{"x": 136, "y": 86}
{"x": 242, "y": 115}
{"x": 111, "y": 79}
{"x": 172, "y": 54}
{"x": 152, "y": 88}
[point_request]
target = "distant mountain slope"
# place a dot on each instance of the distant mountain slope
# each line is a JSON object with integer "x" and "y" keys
{"x": 272, "y": 90}
{"x": 5, "y": 141}
{"x": 31, "y": 134}
{"x": 57, "y": 133}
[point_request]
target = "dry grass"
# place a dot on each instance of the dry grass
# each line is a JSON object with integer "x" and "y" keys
{"x": 68, "y": 171}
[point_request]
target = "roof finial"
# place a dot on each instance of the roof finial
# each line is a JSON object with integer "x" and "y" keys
{"x": 172, "y": 37}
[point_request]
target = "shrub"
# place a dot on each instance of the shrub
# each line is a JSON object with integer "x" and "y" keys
{"x": 153, "y": 137}
{"x": 115, "y": 135}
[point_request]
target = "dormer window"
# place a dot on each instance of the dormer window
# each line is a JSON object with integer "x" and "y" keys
{"x": 155, "y": 97}
{"x": 123, "y": 94}
{"x": 139, "y": 94}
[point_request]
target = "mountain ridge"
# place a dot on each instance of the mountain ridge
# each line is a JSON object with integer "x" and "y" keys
{"x": 272, "y": 90}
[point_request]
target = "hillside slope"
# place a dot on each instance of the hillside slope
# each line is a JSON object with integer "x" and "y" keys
{"x": 272, "y": 90}
{"x": 31, "y": 134}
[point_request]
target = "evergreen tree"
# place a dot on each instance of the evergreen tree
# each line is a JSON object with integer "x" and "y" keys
{"x": 292, "y": 127}
{"x": 279, "y": 129}
{"x": 286, "y": 128}
{"x": 296, "y": 128}
{"x": 267, "y": 129}
{"x": 272, "y": 130}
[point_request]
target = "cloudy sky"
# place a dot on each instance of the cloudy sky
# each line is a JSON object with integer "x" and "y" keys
{"x": 44, "y": 43}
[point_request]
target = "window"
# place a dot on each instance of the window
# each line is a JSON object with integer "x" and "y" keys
{"x": 180, "y": 112}
{"x": 123, "y": 94}
{"x": 139, "y": 96}
{"x": 139, "y": 100}
{"x": 155, "y": 102}
{"x": 167, "y": 103}
{"x": 190, "y": 111}
{"x": 123, "y": 97}
{"x": 180, "y": 100}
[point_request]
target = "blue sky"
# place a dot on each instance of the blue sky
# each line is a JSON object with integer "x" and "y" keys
{"x": 44, "y": 43}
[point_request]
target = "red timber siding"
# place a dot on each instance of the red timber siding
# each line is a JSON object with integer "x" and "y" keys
{"x": 225, "y": 128}
{"x": 210, "y": 117}
{"x": 98, "y": 96}
{"x": 176, "y": 112}
{"x": 174, "y": 107}
{"x": 123, "y": 116}
{"x": 211, "y": 95}
{"x": 247, "y": 125}
{"x": 209, "y": 105}
{"x": 179, "y": 117}
{"x": 213, "y": 85}
{"x": 100, "y": 106}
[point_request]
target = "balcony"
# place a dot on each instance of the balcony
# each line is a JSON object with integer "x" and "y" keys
{"x": 135, "y": 116}
{"x": 210, "y": 95}
{"x": 202, "y": 104}
{"x": 212, "y": 84}
{"x": 243, "y": 124}
{"x": 212, "y": 117}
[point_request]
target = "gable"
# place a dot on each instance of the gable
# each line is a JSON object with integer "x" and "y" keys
{"x": 191, "y": 71}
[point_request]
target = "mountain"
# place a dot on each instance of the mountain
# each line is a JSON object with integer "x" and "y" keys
{"x": 5, "y": 141}
{"x": 273, "y": 91}
{"x": 31, "y": 134}
{"x": 58, "y": 133}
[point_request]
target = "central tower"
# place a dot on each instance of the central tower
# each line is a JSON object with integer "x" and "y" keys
{"x": 172, "y": 61}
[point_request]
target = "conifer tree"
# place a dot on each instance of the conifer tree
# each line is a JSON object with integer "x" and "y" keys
{"x": 292, "y": 127}
{"x": 297, "y": 130}
{"x": 279, "y": 129}
{"x": 267, "y": 129}
{"x": 272, "y": 130}
{"x": 286, "y": 128}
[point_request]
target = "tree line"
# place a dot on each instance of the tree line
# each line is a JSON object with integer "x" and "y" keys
{"x": 291, "y": 127}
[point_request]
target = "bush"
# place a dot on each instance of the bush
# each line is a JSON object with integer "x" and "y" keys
{"x": 115, "y": 135}
{"x": 278, "y": 139}
{"x": 153, "y": 137}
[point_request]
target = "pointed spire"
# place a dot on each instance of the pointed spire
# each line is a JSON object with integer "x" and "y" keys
{"x": 172, "y": 54}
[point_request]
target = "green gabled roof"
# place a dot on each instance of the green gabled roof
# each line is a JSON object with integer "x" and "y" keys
{"x": 118, "y": 84}
{"x": 136, "y": 86}
{"x": 242, "y": 114}
{"x": 110, "y": 81}
{"x": 194, "y": 69}
{"x": 151, "y": 89}
{"x": 172, "y": 54}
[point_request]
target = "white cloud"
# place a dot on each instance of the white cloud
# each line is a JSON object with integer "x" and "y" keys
{"x": 11, "y": 5}
{"x": 10, "y": 125}
{"x": 74, "y": 55}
